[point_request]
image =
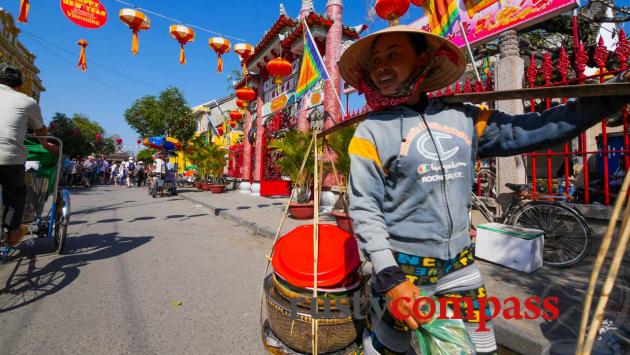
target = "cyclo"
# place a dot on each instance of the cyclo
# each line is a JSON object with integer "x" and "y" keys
{"x": 42, "y": 183}
{"x": 163, "y": 182}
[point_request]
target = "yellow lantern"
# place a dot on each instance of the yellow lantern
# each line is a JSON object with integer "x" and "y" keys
{"x": 244, "y": 50}
{"x": 183, "y": 35}
{"x": 136, "y": 21}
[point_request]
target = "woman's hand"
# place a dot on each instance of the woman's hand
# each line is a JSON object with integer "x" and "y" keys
{"x": 405, "y": 306}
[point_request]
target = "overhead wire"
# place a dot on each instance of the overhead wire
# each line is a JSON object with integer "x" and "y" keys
{"x": 56, "y": 54}
{"x": 178, "y": 21}
{"x": 33, "y": 36}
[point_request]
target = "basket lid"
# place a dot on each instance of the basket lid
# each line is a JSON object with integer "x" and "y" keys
{"x": 338, "y": 256}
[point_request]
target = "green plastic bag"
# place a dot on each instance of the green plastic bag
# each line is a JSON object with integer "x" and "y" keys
{"x": 444, "y": 337}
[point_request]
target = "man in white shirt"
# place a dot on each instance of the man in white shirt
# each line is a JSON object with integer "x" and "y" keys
{"x": 159, "y": 166}
{"x": 18, "y": 112}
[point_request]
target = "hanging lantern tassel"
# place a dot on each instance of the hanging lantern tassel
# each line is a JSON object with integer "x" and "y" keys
{"x": 221, "y": 46}
{"x": 244, "y": 50}
{"x": 82, "y": 60}
{"x": 183, "y": 35}
{"x": 24, "y": 7}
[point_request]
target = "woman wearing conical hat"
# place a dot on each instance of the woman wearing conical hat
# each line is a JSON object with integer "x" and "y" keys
{"x": 412, "y": 171}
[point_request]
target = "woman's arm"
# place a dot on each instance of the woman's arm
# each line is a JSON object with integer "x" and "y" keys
{"x": 501, "y": 134}
{"x": 366, "y": 191}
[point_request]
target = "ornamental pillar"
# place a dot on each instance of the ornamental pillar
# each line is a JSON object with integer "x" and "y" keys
{"x": 245, "y": 186}
{"x": 509, "y": 75}
{"x": 260, "y": 136}
{"x": 332, "y": 108}
{"x": 307, "y": 7}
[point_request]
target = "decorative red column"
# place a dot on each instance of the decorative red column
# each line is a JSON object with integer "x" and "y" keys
{"x": 260, "y": 135}
{"x": 332, "y": 108}
{"x": 245, "y": 186}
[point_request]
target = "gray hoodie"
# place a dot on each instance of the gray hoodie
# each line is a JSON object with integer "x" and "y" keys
{"x": 411, "y": 174}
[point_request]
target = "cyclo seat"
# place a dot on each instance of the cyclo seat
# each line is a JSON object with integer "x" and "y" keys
{"x": 517, "y": 187}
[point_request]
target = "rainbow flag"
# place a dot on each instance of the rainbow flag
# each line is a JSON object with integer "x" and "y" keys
{"x": 313, "y": 69}
{"x": 442, "y": 15}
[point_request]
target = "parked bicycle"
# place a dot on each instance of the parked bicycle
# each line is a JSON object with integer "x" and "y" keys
{"x": 567, "y": 235}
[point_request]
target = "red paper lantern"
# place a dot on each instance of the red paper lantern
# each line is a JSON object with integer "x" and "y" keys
{"x": 244, "y": 50}
{"x": 82, "y": 59}
{"x": 136, "y": 21}
{"x": 240, "y": 103}
{"x": 138, "y": 141}
{"x": 232, "y": 123}
{"x": 220, "y": 46}
{"x": 98, "y": 136}
{"x": 220, "y": 131}
{"x": 418, "y": 3}
{"x": 246, "y": 94}
{"x": 183, "y": 35}
{"x": 53, "y": 125}
{"x": 279, "y": 68}
{"x": 391, "y": 10}
{"x": 119, "y": 141}
{"x": 236, "y": 115}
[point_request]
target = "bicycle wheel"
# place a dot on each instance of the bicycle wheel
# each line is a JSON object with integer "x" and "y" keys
{"x": 567, "y": 236}
{"x": 60, "y": 227}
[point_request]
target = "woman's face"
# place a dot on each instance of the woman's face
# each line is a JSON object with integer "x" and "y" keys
{"x": 393, "y": 61}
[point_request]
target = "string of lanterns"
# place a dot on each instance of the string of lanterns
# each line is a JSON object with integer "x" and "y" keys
{"x": 138, "y": 21}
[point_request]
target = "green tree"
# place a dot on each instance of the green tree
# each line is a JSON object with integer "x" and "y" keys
{"x": 165, "y": 115}
{"x": 146, "y": 155}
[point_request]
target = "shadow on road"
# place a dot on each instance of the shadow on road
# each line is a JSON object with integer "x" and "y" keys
{"x": 29, "y": 282}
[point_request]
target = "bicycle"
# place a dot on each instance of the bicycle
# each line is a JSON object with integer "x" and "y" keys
{"x": 567, "y": 235}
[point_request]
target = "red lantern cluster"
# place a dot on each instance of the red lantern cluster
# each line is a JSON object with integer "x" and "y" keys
{"x": 246, "y": 94}
{"x": 391, "y": 10}
{"x": 236, "y": 115}
{"x": 279, "y": 68}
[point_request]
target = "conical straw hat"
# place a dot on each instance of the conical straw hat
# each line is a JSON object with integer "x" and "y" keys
{"x": 449, "y": 65}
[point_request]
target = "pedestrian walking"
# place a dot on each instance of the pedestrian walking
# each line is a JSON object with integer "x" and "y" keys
{"x": 411, "y": 173}
{"x": 141, "y": 175}
{"x": 89, "y": 165}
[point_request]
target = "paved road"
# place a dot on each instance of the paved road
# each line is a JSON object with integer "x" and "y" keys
{"x": 130, "y": 260}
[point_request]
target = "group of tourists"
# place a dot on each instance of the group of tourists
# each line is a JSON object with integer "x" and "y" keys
{"x": 98, "y": 170}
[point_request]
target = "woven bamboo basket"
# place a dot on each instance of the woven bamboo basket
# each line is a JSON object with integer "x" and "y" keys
{"x": 336, "y": 330}
{"x": 331, "y": 297}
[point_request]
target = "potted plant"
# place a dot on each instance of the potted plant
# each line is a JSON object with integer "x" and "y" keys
{"x": 338, "y": 142}
{"x": 199, "y": 156}
{"x": 292, "y": 148}
{"x": 216, "y": 164}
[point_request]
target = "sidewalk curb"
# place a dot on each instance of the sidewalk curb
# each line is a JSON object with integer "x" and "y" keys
{"x": 253, "y": 227}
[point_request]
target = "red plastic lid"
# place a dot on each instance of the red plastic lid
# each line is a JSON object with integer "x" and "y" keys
{"x": 338, "y": 256}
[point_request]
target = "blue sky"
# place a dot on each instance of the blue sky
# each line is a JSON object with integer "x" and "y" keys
{"x": 115, "y": 78}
